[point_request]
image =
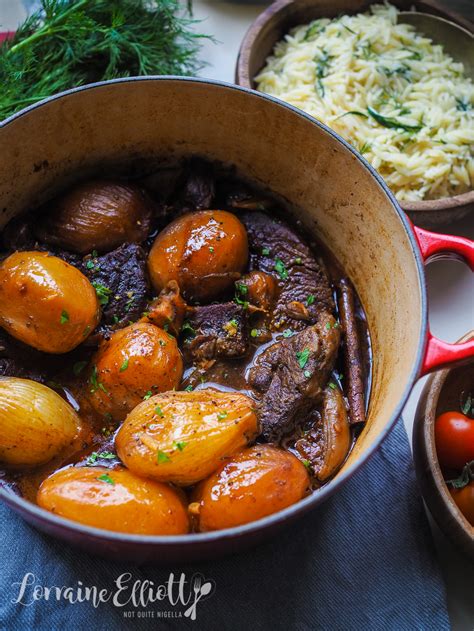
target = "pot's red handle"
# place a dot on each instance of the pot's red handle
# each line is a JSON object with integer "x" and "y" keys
{"x": 439, "y": 354}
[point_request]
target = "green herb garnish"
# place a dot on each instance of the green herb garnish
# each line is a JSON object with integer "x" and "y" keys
{"x": 348, "y": 29}
{"x": 159, "y": 411}
{"x": 180, "y": 445}
{"x": 104, "y": 455}
{"x": 254, "y": 333}
{"x": 64, "y": 317}
{"x": 287, "y": 333}
{"x": 147, "y": 395}
{"x": 265, "y": 251}
{"x": 310, "y": 300}
{"x": 189, "y": 388}
{"x": 307, "y": 464}
{"x": 463, "y": 105}
{"x": 364, "y": 148}
{"x": 354, "y": 113}
{"x": 105, "y": 477}
{"x": 322, "y": 68}
{"x": 124, "y": 366}
{"x": 222, "y": 415}
{"x": 315, "y": 28}
{"x": 187, "y": 329}
{"x": 391, "y": 123}
{"x": 162, "y": 457}
{"x": 103, "y": 293}
{"x": 302, "y": 357}
{"x": 281, "y": 270}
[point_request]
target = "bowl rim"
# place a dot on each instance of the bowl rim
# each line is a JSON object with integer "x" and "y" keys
{"x": 282, "y": 8}
{"x": 425, "y": 442}
{"x": 41, "y": 515}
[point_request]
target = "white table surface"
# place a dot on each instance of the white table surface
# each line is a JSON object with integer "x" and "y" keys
{"x": 450, "y": 284}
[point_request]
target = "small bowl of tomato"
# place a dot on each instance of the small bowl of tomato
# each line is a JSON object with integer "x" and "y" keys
{"x": 443, "y": 448}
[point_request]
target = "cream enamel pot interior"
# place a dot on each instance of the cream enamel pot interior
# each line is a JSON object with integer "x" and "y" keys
{"x": 329, "y": 187}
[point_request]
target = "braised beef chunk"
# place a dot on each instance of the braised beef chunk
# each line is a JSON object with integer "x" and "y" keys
{"x": 120, "y": 280}
{"x": 20, "y": 360}
{"x": 218, "y": 330}
{"x": 198, "y": 187}
{"x": 305, "y": 291}
{"x": 291, "y": 375}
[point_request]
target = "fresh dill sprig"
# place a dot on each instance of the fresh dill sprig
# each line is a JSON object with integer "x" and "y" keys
{"x": 68, "y": 43}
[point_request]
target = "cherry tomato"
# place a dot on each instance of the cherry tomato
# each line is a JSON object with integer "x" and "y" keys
{"x": 454, "y": 434}
{"x": 464, "y": 499}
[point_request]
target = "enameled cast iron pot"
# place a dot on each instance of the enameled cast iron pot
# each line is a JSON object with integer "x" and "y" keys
{"x": 329, "y": 187}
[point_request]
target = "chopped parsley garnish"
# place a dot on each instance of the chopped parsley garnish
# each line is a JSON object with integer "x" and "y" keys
{"x": 94, "y": 380}
{"x": 265, "y": 251}
{"x": 327, "y": 326}
{"x": 287, "y": 333}
{"x": 180, "y": 445}
{"x": 211, "y": 249}
{"x": 364, "y": 148}
{"x": 302, "y": 357}
{"x": 86, "y": 331}
{"x": 332, "y": 385}
{"x": 222, "y": 415}
{"x": 310, "y": 300}
{"x": 103, "y": 293}
{"x": 187, "y": 329}
{"x": 95, "y": 455}
{"x": 254, "y": 333}
{"x": 105, "y": 477}
{"x": 280, "y": 268}
{"x": 64, "y": 317}
{"x": 189, "y": 388}
{"x": 95, "y": 383}
{"x": 159, "y": 411}
{"x": 90, "y": 264}
{"x": 147, "y": 395}
{"x": 298, "y": 260}
{"x": 78, "y": 367}
{"x": 307, "y": 464}
{"x": 241, "y": 288}
{"x": 162, "y": 457}
{"x": 233, "y": 322}
{"x": 129, "y": 303}
{"x": 124, "y": 366}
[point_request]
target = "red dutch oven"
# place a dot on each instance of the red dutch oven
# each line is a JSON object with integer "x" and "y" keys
{"x": 325, "y": 184}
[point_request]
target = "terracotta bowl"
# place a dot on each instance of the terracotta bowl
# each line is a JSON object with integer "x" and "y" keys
{"x": 136, "y": 124}
{"x": 441, "y": 394}
{"x": 281, "y": 16}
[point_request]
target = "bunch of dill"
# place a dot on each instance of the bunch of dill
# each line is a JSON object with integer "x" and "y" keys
{"x": 68, "y": 43}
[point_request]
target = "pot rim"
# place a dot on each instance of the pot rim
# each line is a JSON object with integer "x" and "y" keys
{"x": 43, "y": 516}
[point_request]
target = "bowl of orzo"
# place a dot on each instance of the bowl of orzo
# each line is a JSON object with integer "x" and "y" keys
{"x": 385, "y": 87}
